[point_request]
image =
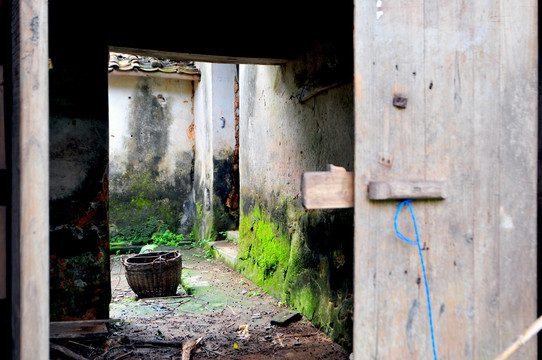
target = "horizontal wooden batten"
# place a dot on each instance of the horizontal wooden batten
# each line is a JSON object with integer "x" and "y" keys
{"x": 332, "y": 189}
{"x": 156, "y": 74}
{"x": 406, "y": 189}
{"x": 214, "y": 58}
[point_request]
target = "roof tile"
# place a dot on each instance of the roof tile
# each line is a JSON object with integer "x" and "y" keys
{"x": 128, "y": 62}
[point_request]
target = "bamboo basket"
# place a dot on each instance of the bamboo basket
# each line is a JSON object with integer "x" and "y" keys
{"x": 154, "y": 274}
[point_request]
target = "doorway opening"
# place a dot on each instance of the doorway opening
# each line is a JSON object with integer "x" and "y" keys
{"x": 212, "y": 295}
{"x": 162, "y": 180}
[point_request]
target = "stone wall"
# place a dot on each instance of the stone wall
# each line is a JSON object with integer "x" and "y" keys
{"x": 300, "y": 256}
{"x": 151, "y": 129}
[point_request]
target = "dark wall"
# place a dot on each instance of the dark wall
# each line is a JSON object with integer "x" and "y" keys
{"x": 79, "y": 238}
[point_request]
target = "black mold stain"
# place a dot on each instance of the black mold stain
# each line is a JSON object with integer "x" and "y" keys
{"x": 222, "y": 187}
{"x": 412, "y": 313}
{"x": 150, "y": 124}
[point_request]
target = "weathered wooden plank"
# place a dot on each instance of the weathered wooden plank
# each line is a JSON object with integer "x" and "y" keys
{"x": 449, "y": 106}
{"x": 30, "y": 174}
{"x": 394, "y": 69}
{"x": 388, "y": 54}
{"x": 200, "y": 57}
{"x": 156, "y": 74}
{"x": 517, "y": 143}
{"x": 487, "y": 121}
{"x": 78, "y": 329}
{"x": 332, "y": 189}
{"x": 406, "y": 189}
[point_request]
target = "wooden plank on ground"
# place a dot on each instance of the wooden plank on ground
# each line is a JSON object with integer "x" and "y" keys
{"x": 78, "y": 329}
{"x": 332, "y": 189}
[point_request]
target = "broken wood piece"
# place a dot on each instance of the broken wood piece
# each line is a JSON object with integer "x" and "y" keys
{"x": 66, "y": 352}
{"x": 78, "y": 329}
{"x": 286, "y": 317}
{"x": 406, "y": 189}
{"x": 155, "y": 343}
{"x": 188, "y": 346}
{"x": 332, "y": 189}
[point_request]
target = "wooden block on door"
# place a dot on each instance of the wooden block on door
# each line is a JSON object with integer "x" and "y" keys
{"x": 332, "y": 189}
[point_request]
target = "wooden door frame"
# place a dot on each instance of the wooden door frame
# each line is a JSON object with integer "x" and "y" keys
{"x": 30, "y": 181}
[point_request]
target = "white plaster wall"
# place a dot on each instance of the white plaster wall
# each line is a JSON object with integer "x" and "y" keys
{"x": 203, "y": 124}
{"x": 281, "y": 138}
{"x": 223, "y": 108}
{"x": 214, "y": 99}
{"x": 178, "y": 97}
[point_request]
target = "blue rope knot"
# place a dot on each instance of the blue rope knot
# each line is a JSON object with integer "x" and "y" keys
{"x": 417, "y": 243}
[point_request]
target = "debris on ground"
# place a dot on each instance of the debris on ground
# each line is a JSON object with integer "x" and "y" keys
{"x": 188, "y": 346}
{"x": 209, "y": 318}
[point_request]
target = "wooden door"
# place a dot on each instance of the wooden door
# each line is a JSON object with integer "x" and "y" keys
{"x": 468, "y": 72}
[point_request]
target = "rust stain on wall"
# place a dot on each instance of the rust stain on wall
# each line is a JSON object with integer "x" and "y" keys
{"x": 190, "y": 131}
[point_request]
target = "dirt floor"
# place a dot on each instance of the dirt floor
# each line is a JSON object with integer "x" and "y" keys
{"x": 225, "y": 313}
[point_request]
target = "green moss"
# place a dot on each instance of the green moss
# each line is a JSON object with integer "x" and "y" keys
{"x": 303, "y": 258}
{"x": 141, "y": 199}
{"x": 264, "y": 252}
{"x": 140, "y": 202}
{"x": 199, "y": 210}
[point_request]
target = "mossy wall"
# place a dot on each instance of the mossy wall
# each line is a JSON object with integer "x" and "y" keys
{"x": 302, "y": 257}
{"x": 152, "y": 151}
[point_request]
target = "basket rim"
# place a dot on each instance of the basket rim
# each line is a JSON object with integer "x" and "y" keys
{"x": 153, "y": 258}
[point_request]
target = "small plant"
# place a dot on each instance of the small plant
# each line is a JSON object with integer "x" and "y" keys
{"x": 167, "y": 238}
{"x": 139, "y": 234}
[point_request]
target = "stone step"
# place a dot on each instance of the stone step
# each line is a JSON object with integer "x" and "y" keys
{"x": 226, "y": 252}
{"x": 233, "y": 236}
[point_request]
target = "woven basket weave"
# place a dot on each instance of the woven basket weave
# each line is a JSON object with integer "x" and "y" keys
{"x": 154, "y": 274}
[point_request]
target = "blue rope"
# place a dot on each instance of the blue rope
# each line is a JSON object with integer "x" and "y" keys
{"x": 417, "y": 242}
